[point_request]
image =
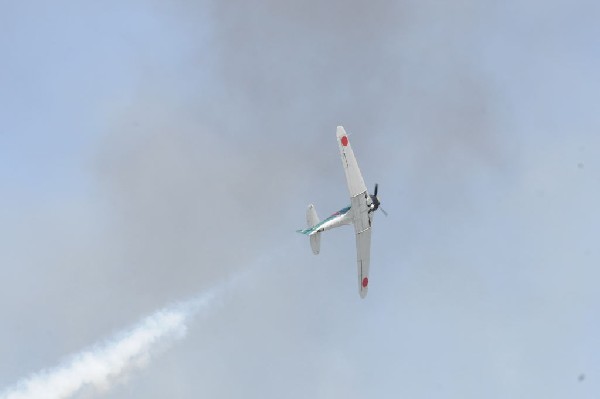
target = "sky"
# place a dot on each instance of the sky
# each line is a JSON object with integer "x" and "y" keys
{"x": 158, "y": 155}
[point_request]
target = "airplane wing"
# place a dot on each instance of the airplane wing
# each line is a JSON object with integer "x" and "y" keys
{"x": 363, "y": 257}
{"x": 356, "y": 184}
{"x": 360, "y": 205}
{"x": 362, "y": 227}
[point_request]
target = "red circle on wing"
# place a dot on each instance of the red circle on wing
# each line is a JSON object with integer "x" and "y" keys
{"x": 365, "y": 282}
{"x": 344, "y": 141}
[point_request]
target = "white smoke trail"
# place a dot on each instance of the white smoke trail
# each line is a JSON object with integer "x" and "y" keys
{"x": 101, "y": 365}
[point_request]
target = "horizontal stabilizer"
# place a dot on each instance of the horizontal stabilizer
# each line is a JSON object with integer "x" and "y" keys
{"x": 312, "y": 219}
{"x": 311, "y": 216}
{"x": 315, "y": 243}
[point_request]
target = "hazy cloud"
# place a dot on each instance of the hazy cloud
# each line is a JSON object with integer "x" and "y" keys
{"x": 212, "y": 127}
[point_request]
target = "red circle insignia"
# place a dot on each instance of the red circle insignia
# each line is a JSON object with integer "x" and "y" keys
{"x": 344, "y": 141}
{"x": 365, "y": 282}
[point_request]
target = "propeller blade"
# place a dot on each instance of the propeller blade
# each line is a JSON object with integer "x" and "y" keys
{"x": 384, "y": 212}
{"x": 375, "y": 193}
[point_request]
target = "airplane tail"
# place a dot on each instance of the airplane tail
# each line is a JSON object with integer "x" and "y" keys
{"x": 311, "y": 216}
{"x": 315, "y": 243}
{"x": 312, "y": 219}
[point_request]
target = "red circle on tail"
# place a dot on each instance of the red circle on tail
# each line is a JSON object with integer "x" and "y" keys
{"x": 365, "y": 282}
{"x": 344, "y": 141}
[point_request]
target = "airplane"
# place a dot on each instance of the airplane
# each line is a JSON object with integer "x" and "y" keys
{"x": 359, "y": 213}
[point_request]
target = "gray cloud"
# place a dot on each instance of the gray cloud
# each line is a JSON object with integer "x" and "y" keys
{"x": 208, "y": 160}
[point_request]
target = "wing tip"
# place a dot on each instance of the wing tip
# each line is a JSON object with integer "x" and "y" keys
{"x": 363, "y": 287}
{"x": 340, "y": 131}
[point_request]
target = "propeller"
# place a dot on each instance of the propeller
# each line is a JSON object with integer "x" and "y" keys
{"x": 375, "y": 200}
